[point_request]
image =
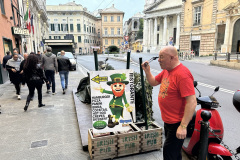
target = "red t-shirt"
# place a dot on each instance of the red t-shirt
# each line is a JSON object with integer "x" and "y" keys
{"x": 175, "y": 86}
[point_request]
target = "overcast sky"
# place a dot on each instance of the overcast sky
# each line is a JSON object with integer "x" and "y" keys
{"x": 130, "y": 7}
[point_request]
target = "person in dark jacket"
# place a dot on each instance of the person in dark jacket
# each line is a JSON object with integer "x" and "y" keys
{"x": 13, "y": 68}
{"x": 34, "y": 77}
{"x": 6, "y": 58}
{"x": 64, "y": 65}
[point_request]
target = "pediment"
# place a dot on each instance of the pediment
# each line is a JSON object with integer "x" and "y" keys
{"x": 233, "y": 8}
{"x": 163, "y": 4}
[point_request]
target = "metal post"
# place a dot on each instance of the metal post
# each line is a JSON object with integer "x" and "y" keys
{"x": 128, "y": 59}
{"x": 203, "y": 147}
{"x": 95, "y": 60}
{"x": 215, "y": 56}
{"x": 228, "y": 57}
{"x": 143, "y": 94}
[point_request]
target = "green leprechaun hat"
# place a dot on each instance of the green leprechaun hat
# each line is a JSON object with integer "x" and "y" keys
{"x": 117, "y": 78}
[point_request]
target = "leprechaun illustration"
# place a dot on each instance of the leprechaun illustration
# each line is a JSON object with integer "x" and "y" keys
{"x": 116, "y": 104}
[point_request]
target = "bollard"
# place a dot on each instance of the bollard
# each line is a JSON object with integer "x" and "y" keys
{"x": 203, "y": 146}
{"x": 228, "y": 57}
{"x": 143, "y": 94}
{"x": 128, "y": 59}
{"x": 215, "y": 56}
{"x": 96, "y": 60}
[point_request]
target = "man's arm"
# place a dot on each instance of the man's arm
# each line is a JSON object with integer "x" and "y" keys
{"x": 189, "y": 110}
{"x": 150, "y": 78}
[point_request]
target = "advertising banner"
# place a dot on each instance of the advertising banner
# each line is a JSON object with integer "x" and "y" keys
{"x": 112, "y": 100}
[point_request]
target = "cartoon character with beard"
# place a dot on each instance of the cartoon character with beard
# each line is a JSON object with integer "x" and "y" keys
{"x": 116, "y": 104}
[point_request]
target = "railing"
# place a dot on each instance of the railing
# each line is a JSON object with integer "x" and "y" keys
{"x": 226, "y": 56}
{"x": 186, "y": 55}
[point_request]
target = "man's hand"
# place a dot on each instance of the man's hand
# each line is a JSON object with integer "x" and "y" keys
{"x": 145, "y": 66}
{"x": 21, "y": 72}
{"x": 181, "y": 132}
{"x": 14, "y": 70}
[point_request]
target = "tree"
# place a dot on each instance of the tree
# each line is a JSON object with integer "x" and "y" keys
{"x": 140, "y": 32}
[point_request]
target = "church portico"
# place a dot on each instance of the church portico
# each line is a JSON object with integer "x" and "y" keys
{"x": 161, "y": 26}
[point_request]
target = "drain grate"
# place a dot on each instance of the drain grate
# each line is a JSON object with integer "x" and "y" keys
{"x": 39, "y": 144}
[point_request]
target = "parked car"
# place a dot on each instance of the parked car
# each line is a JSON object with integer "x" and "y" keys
{"x": 71, "y": 58}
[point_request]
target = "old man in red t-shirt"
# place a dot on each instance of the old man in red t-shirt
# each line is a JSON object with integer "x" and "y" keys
{"x": 176, "y": 99}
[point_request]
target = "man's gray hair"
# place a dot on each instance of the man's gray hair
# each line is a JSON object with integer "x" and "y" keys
{"x": 49, "y": 49}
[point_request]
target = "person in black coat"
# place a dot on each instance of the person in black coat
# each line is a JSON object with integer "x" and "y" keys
{"x": 34, "y": 77}
{"x": 6, "y": 58}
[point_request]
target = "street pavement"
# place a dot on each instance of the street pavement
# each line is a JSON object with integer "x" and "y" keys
{"x": 50, "y": 132}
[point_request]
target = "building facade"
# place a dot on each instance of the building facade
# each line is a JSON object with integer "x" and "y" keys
{"x": 73, "y": 21}
{"x": 112, "y": 27}
{"x": 161, "y": 24}
{"x": 133, "y": 25}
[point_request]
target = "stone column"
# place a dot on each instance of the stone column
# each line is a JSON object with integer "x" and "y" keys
{"x": 152, "y": 33}
{"x": 225, "y": 47}
{"x": 155, "y": 33}
{"x": 178, "y": 31}
{"x": 149, "y": 32}
{"x": 164, "y": 31}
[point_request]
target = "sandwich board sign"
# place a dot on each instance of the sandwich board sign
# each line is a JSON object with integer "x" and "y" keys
{"x": 112, "y": 100}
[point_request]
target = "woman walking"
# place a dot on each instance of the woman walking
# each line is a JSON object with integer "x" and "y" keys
{"x": 34, "y": 77}
{"x": 13, "y": 67}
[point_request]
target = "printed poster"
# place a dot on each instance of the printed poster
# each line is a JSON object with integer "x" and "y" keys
{"x": 112, "y": 100}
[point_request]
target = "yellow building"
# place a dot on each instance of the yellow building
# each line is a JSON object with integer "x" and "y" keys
{"x": 112, "y": 27}
{"x": 137, "y": 45}
{"x": 208, "y": 26}
{"x": 198, "y": 26}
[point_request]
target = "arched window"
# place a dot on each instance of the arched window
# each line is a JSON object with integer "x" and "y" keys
{"x": 135, "y": 25}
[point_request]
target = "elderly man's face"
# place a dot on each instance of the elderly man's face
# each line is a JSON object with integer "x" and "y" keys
{"x": 164, "y": 60}
{"x": 15, "y": 57}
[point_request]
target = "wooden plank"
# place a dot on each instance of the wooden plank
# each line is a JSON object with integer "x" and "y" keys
{"x": 84, "y": 116}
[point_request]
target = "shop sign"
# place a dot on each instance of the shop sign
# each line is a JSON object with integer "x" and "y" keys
{"x": 20, "y": 31}
{"x": 112, "y": 100}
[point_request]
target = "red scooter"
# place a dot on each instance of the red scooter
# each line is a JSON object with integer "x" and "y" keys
{"x": 192, "y": 142}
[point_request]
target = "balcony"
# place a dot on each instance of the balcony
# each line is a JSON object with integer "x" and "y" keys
{"x": 111, "y": 36}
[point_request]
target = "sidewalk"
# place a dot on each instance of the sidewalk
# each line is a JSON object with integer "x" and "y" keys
{"x": 50, "y": 132}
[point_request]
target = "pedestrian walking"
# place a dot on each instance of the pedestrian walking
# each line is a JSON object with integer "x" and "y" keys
{"x": 34, "y": 77}
{"x": 16, "y": 51}
{"x": 13, "y": 68}
{"x": 64, "y": 65}
{"x": 25, "y": 55}
{"x": 49, "y": 63}
{"x": 39, "y": 55}
{"x": 6, "y": 58}
{"x": 176, "y": 99}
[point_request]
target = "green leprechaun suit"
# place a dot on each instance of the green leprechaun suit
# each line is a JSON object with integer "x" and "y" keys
{"x": 116, "y": 104}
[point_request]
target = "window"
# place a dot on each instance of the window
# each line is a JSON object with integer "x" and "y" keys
{"x": 118, "y": 18}
{"x": 106, "y": 41}
{"x": 64, "y": 27}
{"x": 119, "y": 41}
{"x": 71, "y": 20}
{"x": 57, "y": 37}
{"x": 84, "y": 27}
{"x": 118, "y": 31}
{"x": 78, "y": 27}
{"x": 78, "y": 19}
{"x": 197, "y": 15}
{"x": 52, "y": 27}
{"x": 112, "y": 41}
{"x": 71, "y": 27}
{"x": 105, "y": 31}
{"x": 158, "y": 28}
{"x": 112, "y": 31}
{"x": 63, "y": 20}
{"x": 55, "y": 20}
{"x": 79, "y": 39}
{"x": 112, "y": 19}
{"x": 50, "y": 37}
{"x": 90, "y": 29}
{"x": 105, "y": 18}
{"x": 87, "y": 29}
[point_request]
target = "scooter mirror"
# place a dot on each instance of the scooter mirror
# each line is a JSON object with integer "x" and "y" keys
{"x": 216, "y": 89}
{"x": 195, "y": 83}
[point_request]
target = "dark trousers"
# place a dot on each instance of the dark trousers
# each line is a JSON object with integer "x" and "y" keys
{"x": 18, "y": 88}
{"x": 172, "y": 145}
{"x": 31, "y": 87}
{"x": 50, "y": 75}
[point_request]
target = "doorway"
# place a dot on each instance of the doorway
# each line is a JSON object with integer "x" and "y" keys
{"x": 195, "y": 47}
